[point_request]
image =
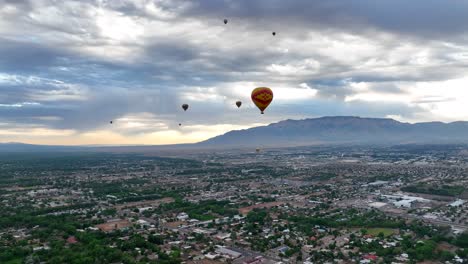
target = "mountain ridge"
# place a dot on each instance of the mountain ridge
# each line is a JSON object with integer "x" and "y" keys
{"x": 344, "y": 129}
{"x": 291, "y": 133}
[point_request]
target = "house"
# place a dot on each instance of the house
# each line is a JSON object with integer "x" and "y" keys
{"x": 371, "y": 257}
{"x": 222, "y": 236}
{"x": 228, "y": 253}
{"x": 255, "y": 260}
{"x": 72, "y": 240}
{"x": 182, "y": 216}
{"x": 143, "y": 222}
{"x": 211, "y": 256}
{"x": 283, "y": 249}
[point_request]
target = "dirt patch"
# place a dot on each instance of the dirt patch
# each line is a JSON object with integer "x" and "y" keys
{"x": 172, "y": 225}
{"x": 150, "y": 203}
{"x": 114, "y": 225}
{"x": 447, "y": 247}
{"x": 246, "y": 210}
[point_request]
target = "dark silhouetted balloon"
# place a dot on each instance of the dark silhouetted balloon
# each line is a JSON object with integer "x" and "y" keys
{"x": 262, "y": 97}
{"x": 111, "y": 122}
{"x": 180, "y": 124}
{"x": 238, "y": 103}
{"x": 225, "y": 21}
{"x": 185, "y": 107}
{"x": 274, "y": 33}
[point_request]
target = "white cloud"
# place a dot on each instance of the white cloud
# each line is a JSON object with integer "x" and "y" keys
{"x": 83, "y": 63}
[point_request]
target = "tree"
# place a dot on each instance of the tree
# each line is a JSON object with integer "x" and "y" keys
{"x": 462, "y": 240}
{"x": 381, "y": 235}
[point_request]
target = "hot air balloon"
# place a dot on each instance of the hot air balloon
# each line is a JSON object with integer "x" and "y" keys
{"x": 274, "y": 33}
{"x": 225, "y": 21}
{"x": 111, "y": 122}
{"x": 238, "y": 103}
{"x": 180, "y": 124}
{"x": 262, "y": 97}
{"x": 185, "y": 107}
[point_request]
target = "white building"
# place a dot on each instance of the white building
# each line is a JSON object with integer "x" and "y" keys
{"x": 227, "y": 253}
{"x": 182, "y": 216}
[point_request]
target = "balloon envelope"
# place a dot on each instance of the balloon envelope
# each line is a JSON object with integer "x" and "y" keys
{"x": 274, "y": 33}
{"x": 238, "y": 103}
{"x": 185, "y": 107}
{"x": 262, "y": 97}
{"x": 225, "y": 21}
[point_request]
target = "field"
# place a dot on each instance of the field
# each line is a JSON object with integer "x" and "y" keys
{"x": 246, "y": 210}
{"x": 376, "y": 231}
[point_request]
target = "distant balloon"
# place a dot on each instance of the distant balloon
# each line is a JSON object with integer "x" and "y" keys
{"x": 185, "y": 107}
{"x": 274, "y": 33}
{"x": 225, "y": 21}
{"x": 111, "y": 122}
{"x": 238, "y": 103}
{"x": 180, "y": 124}
{"x": 262, "y": 97}
{"x": 257, "y": 150}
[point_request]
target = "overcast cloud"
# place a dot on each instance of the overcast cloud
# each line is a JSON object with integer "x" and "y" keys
{"x": 69, "y": 67}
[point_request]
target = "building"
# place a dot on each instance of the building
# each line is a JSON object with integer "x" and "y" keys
{"x": 227, "y": 253}
{"x": 182, "y": 216}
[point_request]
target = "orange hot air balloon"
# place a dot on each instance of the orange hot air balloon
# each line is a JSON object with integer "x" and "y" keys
{"x": 262, "y": 97}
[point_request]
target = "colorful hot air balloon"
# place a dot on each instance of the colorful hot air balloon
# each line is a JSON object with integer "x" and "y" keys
{"x": 238, "y": 103}
{"x": 185, "y": 107}
{"x": 262, "y": 97}
{"x": 225, "y": 21}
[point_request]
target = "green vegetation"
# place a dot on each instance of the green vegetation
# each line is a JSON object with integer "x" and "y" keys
{"x": 203, "y": 211}
{"x": 445, "y": 190}
{"x": 49, "y": 199}
{"x": 351, "y": 218}
{"x": 462, "y": 240}
{"x": 322, "y": 176}
{"x": 377, "y": 231}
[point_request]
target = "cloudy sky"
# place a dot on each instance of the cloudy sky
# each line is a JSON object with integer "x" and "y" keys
{"x": 69, "y": 67}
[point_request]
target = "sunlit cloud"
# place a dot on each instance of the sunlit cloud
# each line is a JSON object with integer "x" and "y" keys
{"x": 68, "y": 68}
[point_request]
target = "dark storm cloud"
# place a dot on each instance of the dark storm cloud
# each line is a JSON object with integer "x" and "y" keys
{"x": 71, "y": 64}
{"x": 425, "y": 18}
{"x": 79, "y": 108}
{"x": 25, "y": 4}
{"x": 335, "y": 89}
{"x": 387, "y": 88}
{"x": 21, "y": 56}
{"x": 326, "y": 107}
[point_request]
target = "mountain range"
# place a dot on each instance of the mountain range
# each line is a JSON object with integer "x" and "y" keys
{"x": 315, "y": 131}
{"x": 344, "y": 130}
